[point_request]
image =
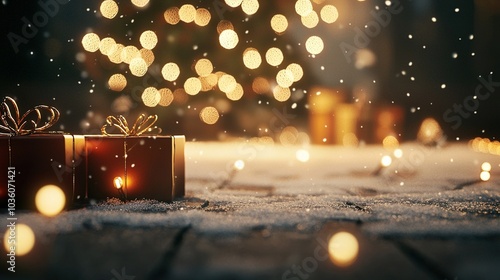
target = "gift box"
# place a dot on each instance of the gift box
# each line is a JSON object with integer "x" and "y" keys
{"x": 132, "y": 165}
{"x": 31, "y": 157}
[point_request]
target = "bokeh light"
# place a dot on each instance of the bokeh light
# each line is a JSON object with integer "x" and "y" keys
{"x": 274, "y": 56}
{"x": 343, "y": 248}
{"x": 187, "y": 13}
{"x": 281, "y": 94}
{"x": 25, "y": 239}
{"x": 170, "y": 71}
{"x": 203, "y": 67}
{"x": 148, "y": 39}
{"x": 108, "y": 9}
{"x": 138, "y": 67}
{"x": 151, "y": 97}
{"x": 50, "y": 200}
{"x": 117, "y": 82}
{"x": 192, "y": 86}
{"x": 140, "y": 3}
{"x": 250, "y": 7}
{"x": 166, "y": 97}
{"x": 202, "y": 17}
{"x": 235, "y": 94}
{"x": 252, "y": 58}
{"x": 303, "y": 7}
{"x": 91, "y": 42}
{"x": 171, "y": 15}
{"x": 228, "y": 39}
{"x": 386, "y": 161}
{"x": 279, "y": 23}
{"x": 106, "y": 45}
{"x": 311, "y": 20}
{"x": 209, "y": 115}
{"x": 227, "y": 83}
{"x": 314, "y": 45}
{"x": 284, "y": 78}
{"x": 329, "y": 14}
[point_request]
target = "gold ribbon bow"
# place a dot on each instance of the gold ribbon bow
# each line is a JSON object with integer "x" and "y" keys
{"x": 142, "y": 125}
{"x": 14, "y": 124}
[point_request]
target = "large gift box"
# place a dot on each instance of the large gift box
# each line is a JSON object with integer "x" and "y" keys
{"x": 31, "y": 157}
{"x": 134, "y": 165}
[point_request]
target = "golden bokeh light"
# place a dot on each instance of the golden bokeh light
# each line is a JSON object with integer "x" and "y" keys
{"x": 274, "y": 56}
{"x": 209, "y": 115}
{"x": 109, "y": 9}
{"x": 279, "y": 23}
{"x": 228, "y": 39}
{"x": 288, "y": 136}
{"x": 91, "y": 42}
{"x": 296, "y": 70}
{"x": 386, "y": 161}
{"x": 302, "y": 155}
{"x": 390, "y": 143}
{"x": 138, "y": 67}
{"x": 350, "y": 140}
{"x": 303, "y": 7}
{"x": 343, "y": 248}
{"x": 50, "y": 200}
{"x": 281, "y": 94}
{"x": 202, "y": 17}
{"x": 147, "y": 55}
{"x": 233, "y": 3}
{"x": 128, "y": 53}
{"x": 314, "y": 45}
{"x": 261, "y": 85}
{"x": 486, "y": 166}
{"x": 106, "y": 45}
{"x": 284, "y": 78}
{"x": 115, "y": 53}
{"x": 250, "y": 7}
{"x": 430, "y": 132}
{"x": 239, "y": 165}
{"x": 166, "y": 97}
{"x": 203, "y": 67}
{"x": 170, "y": 71}
{"x": 187, "y": 13}
{"x": 485, "y": 176}
{"x": 224, "y": 25}
{"x": 151, "y": 97}
{"x": 117, "y": 82}
{"x": 180, "y": 96}
{"x": 24, "y": 238}
{"x": 140, "y": 3}
{"x": 192, "y": 86}
{"x": 148, "y": 39}
{"x": 236, "y": 94}
{"x": 209, "y": 82}
{"x": 329, "y": 14}
{"x": 227, "y": 83}
{"x": 171, "y": 15}
{"x": 311, "y": 20}
{"x": 252, "y": 58}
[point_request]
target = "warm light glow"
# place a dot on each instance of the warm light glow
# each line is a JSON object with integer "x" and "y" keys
{"x": 129, "y": 53}
{"x": 170, "y": 71}
{"x": 236, "y": 94}
{"x": 233, "y": 3}
{"x": 109, "y": 9}
{"x": 106, "y": 45}
{"x": 350, "y": 140}
{"x": 147, "y": 55}
{"x": 91, "y": 42}
{"x": 485, "y": 176}
{"x": 302, "y": 155}
{"x": 239, "y": 165}
{"x": 117, "y": 82}
{"x": 148, "y": 39}
{"x": 296, "y": 70}
{"x": 343, "y": 249}
{"x": 171, "y": 15}
{"x": 311, "y": 20}
{"x": 50, "y": 200}
{"x": 192, "y": 86}
{"x": 227, "y": 83}
{"x": 138, "y": 67}
{"x": 166, "y": 97}
{"x": 486, "y": 166}
{"x": 209, "y": 82}
{"x": 398, "y": 153}
{"x": 261, "y": 85}
{"x": 314, "y": 45}
{"x": 209, "y": 115}
{"x": 187, "y": 13}
{"x": 202, "y": 17}
{"x": 279, "y": 23}
{"x": 252, "y": 58}
{"x": 224, "y": 25}
{"x": 430, "y": 132}
{"x": 118, "y": 182}
{"x": 284, "y": 78}
{"x": 390, "y": 143}
{"x": 329, "y": 14}
{"x": 140, "y": 3}
{"x": 151, "y": 97}
{"x": 203, "y": 67}
{"x": 386, "y": 161}
{"x": 250, "y": 7}
{"x": 115, "y": 53}
{"x": 274, "y": 56}
{"x": 303, "y": 7}
{"x": 24, "y": 239}
{"x": 228, "y": 39}
{"x": 281, "y": 94}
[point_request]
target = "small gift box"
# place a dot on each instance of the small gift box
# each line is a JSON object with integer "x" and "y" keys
{"x": 135, "y": 164}
{"x": 31, "y": 157}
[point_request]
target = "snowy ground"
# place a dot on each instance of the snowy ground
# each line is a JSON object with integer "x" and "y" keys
{"x": 427, "y": 216}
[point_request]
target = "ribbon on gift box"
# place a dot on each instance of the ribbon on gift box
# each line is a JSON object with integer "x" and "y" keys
{"x": 13, "y": 124}
{"x": 141, "y": 126}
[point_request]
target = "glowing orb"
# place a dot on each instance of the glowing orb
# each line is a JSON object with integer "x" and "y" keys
{"x": 91, "y": 42}
{"x": 202, "y": 17}
{"x": 170, "y": 71}
{"x": 279, "y": 23}
{"x": 284, "y": 78}
{"x": 106, "y": 45}
{"x": 192, "y": 86}
{"x": 343, "y": 249}
{"x": 151, "y": 97}
{"x": 311, "y": 20}
{"x": 250, "y": 7}
{"x": 296, "y": 70}
{"x": 166, "y": 97}
{"x": 24, "y": 238}
{"x": 138, "y": 67}
{"x": 281, "y": 94}
{"x": 109, "y": 9}
{"x": 223, "y": 25}
{"x": 227, "y": 83}
{"x": 486, "y": 166}
{"x": 252, "y": 58}
{"x": 148, "y": 39}
{"x": 386, "y": 161}
{"x": 302, "y": 155}
{"x": 274, "y": 56}
{"x": 233, "y": 3}
{"x": 390, "y": 142}
{"x": 314, "y": 45}
{"x": 303, "y": 7}
{"x": 187, "y": 13}
{"x": 140, "y": 3}
{"x": 171, "y": 16}
{"x": 203, "y": 67}
{"x": 261, "y": 85}
{"x": 235, "y": 94}
{"x": 50, "y": 200}
{"x": 485, "y": 176}
{"x": 228, "y": 39}
{"x": 115, "y": 53}
{"x": 117, "y": 82}
{"x": 209, "y": 115}
{"x": 129, "y": 53}
{"x": 329, "y": 14}
{"x": 147, "y": 55}
{"x": 239, "y": 164}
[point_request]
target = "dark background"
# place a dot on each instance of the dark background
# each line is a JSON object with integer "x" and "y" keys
{"x": 46, "y": 70}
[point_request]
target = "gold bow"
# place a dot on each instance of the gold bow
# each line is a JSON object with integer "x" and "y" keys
{"x": 14, "y": 124}
{"x": 142, "y": 125}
